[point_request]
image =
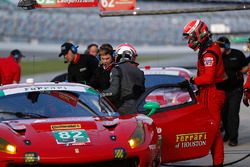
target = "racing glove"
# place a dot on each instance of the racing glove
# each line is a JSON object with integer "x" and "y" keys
{"x": 246, "y": 96}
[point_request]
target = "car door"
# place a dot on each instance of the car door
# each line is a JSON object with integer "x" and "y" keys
{"x": 186, "y": 126}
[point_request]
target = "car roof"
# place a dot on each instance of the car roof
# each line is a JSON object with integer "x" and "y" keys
{"x": 173, "y": 71}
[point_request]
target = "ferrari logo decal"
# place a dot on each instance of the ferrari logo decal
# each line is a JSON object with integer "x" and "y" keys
{"x": 191, "y": 140}
{"x": 120, "y": 153}
{"x": 77, "y": 151}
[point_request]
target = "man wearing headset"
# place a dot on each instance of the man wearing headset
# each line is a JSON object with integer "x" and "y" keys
{"x": 101, "y": 77}
{"x": 126, "y": 79}
{"x": 81, "y": 66}
{"x": 10, "y": 69}
{"x": 235, "y": 65}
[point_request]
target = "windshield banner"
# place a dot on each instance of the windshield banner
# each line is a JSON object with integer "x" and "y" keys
{"x": 65, "y": 3}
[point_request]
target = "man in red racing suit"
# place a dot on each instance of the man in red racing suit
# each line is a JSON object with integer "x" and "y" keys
{"x": 209, "y": 79}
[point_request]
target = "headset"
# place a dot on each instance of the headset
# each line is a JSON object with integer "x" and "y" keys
{"x": 16, "y": 56}
{"x": 74, "y": 48}
{"x": 226, "y": 45}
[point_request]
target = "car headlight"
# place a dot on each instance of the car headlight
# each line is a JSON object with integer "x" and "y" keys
{"x": 6, "y": 147}
{"x": 137, "y": 138}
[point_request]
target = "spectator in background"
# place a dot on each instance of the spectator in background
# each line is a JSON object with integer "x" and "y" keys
{"x": 10, "y": 69}
{"x": 210, "y": 76}
{"x": 81, "y": 66}
{"x": 235, "y": 65}
{"x": 92, "y": 49}
{"x": 127, "y": 80}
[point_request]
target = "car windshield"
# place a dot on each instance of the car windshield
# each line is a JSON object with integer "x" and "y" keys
{"x": 53, "y": 104}
{"x": 153, "y": 79}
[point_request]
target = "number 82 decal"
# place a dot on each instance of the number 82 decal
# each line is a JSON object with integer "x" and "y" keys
{"x": 73, "y": 136}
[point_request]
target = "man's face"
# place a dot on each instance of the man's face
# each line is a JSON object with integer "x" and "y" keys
{"x": 248, "y": 45}
{"x": 222, "y": 50}
{"x": 93, "y": 50}
{"x": 106, "y": 60}
{"x": 69, "y": 56}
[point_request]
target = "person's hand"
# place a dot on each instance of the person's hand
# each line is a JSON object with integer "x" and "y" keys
{"x": 246, "y": 95}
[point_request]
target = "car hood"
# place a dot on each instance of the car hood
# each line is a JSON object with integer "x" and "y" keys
{"x": 54, "y": 133}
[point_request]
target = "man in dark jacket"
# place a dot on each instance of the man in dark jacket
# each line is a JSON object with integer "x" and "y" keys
{"x": 235, "y": 64}
{"x": 127, "y": 80}
{"x": 81, "y": 66}
{"x": 101, "y": 77}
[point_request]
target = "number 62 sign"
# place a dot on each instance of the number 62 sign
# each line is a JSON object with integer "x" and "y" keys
{"x": 112, "y": 5}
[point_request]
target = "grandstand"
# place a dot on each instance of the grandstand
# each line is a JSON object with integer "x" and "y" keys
{"x": 84, "y": 25}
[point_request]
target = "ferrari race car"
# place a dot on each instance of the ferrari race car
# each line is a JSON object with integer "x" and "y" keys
{"x": 153, "y": 75}
{"x": 68, "y": 124}
{"x": 59, "y": 124}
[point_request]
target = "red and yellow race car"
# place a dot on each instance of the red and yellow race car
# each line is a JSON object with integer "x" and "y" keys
{"x": 67, "y": 124}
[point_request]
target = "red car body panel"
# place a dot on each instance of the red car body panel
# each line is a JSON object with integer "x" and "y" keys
{"x": 187, "y": 133}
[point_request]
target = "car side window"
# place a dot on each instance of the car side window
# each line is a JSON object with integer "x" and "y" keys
{"x": 167, "y": 97}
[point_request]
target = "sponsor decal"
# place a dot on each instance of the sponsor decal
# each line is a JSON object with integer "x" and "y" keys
{"x": 208, "y": 61}
{"x": 191, "y": 140}
{"x": 113, "y": 5}
{"x": 42, "y": 89}
{"x": 83, "y": 69}
{"x": 65, "y": 126}
{"x": 77, "y": 151}
{"x": 152, "y": 147}
{"x": 120, "y": 153}
{"x": 66, "y": 3}
{"x": 68, "y": 98}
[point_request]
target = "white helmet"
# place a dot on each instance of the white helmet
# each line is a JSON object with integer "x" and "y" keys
{"x": 124, "y": 52}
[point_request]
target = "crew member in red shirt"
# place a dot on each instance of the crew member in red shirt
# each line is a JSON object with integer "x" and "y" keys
{"x": 209, "y": 79}
{"x": 10, "y": 69}
{"x": 246, "y": 95}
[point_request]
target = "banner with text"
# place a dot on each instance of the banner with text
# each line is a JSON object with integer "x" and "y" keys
{"x": 66, "y": 3}
{"x": 113, "y": 5}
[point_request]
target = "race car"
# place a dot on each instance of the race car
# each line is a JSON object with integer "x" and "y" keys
{"x": 153, "y": 75}
{"x": 69, "y": 124}
{"x": 186, "y": 126}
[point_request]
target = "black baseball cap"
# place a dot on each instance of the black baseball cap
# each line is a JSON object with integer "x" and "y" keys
{"x": 16, "y": 53}
{"x": 65, "y": 48}
{"x": 223, "y": 42}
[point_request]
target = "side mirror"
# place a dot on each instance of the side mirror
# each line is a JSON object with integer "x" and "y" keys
{"x": 153, "y": 106}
